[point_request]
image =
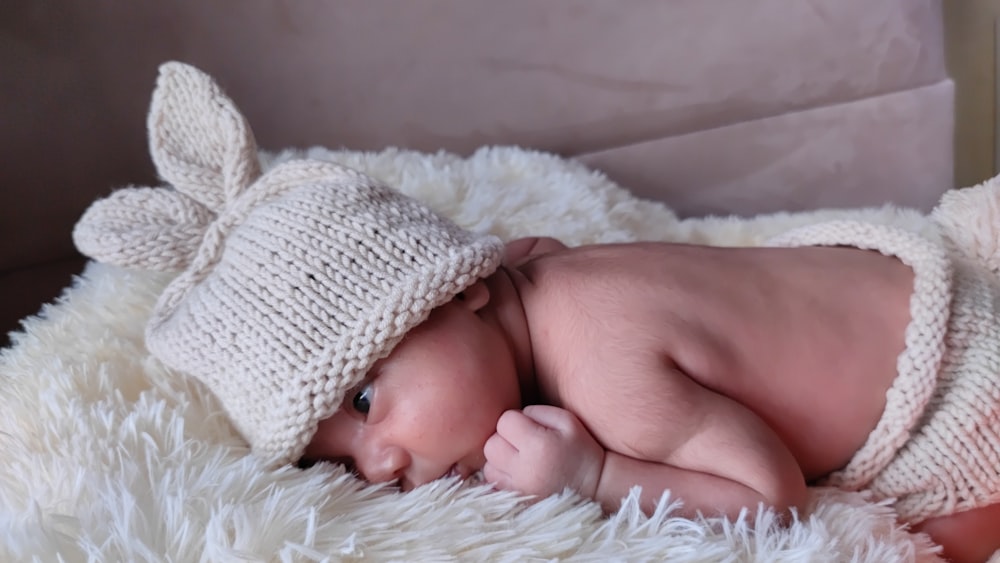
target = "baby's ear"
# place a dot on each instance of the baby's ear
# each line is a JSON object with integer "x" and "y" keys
{"x": 200, "y": 142}
{"x": 149, "y": 228}
{"x": 474, "y": 297}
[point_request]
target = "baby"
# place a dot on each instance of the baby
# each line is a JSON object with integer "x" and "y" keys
{"x": 728, "y": 376}
{"x": 642, "y": 364}
{"x": 338, "y": 320}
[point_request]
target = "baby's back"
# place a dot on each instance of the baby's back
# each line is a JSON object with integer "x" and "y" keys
{"x": 807, "y": 338}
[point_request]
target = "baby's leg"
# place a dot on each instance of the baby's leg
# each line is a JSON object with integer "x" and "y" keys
{"x": 970, "y": 536}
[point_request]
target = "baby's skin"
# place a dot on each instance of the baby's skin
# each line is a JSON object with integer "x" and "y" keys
{"x": 731, "y": 377}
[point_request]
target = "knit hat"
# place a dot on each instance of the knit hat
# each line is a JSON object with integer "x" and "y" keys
{"x": 292, "y": 283}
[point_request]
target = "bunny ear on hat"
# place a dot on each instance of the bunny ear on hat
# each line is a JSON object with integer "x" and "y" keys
{"x": 200, "y": 142}
{"x": 202, "y": 145}
{"x": 148, "y": 228}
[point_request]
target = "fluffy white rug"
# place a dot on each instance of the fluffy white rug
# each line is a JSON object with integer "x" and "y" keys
{"x": 110, "y": 457}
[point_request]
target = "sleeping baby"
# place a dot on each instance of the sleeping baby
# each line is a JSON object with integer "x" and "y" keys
{"x": 337, "y": 320}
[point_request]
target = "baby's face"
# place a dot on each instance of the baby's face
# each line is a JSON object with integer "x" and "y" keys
{"x": 426, "y": 411}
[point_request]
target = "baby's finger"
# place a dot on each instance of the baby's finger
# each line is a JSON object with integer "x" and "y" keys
{"x": 551, "y": 417}
{"x": 499, "y": 451}
{"x": 496, "y": 477}
{"x": 514, "y": 425}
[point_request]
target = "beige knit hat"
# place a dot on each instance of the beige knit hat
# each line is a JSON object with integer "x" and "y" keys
{"x": 292, "y": 283}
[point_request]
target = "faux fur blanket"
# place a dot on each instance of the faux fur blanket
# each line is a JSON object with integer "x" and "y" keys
{"x": 110, "y": 457}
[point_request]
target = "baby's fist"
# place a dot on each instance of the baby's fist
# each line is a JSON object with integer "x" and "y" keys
{"x": 542, "y": 450}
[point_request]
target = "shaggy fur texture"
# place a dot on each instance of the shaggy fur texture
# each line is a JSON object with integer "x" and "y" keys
{"x": 110, "y": 457}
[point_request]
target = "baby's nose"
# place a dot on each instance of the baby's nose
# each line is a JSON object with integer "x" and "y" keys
{"x": 385, "y": 464}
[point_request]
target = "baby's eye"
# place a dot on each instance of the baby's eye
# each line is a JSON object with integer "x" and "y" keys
{"x": 362, "y": 400}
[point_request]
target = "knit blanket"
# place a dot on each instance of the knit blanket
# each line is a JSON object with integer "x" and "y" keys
{"x": 108, "y": 456}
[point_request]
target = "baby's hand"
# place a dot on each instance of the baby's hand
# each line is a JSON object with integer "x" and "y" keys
{"x": 541, "y": 450}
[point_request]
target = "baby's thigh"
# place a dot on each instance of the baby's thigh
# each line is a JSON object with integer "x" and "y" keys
{"x": 972, "y": 535}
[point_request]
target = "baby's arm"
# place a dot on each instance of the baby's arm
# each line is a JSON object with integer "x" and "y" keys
{"x": 710, "y": 451}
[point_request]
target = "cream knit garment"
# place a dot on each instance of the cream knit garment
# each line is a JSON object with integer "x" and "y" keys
{"x": 936, "y": 448}
{"x": 292, "y": 283}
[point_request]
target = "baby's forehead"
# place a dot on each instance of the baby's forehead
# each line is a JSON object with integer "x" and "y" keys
{"x": 379, "y": 366}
